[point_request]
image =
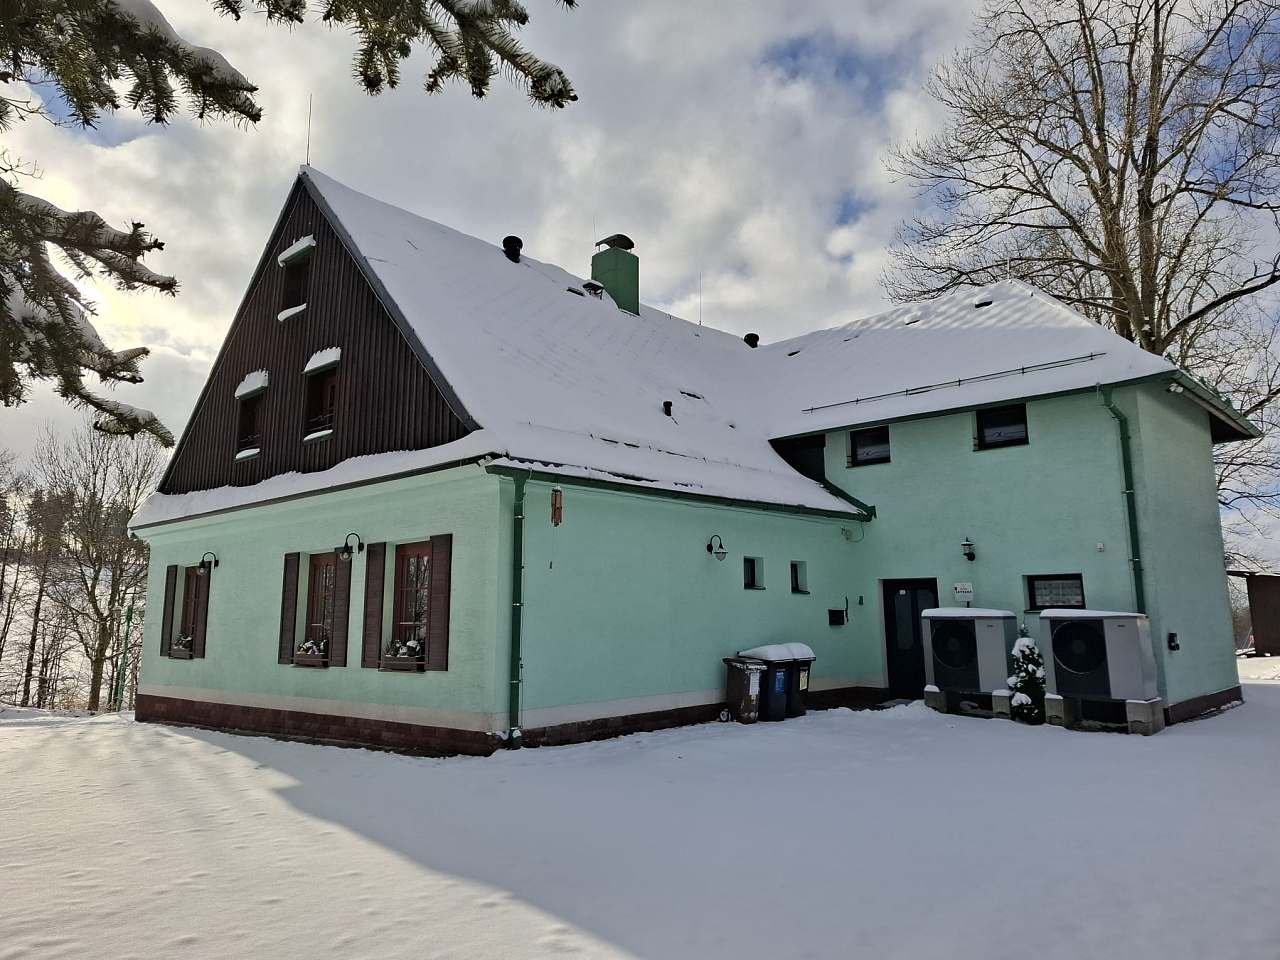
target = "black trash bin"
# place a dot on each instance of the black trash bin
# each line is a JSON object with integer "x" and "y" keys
{"x": 798, "y": 684}
{"x": 773, "y": 690}
{"x": 742, "y": 688}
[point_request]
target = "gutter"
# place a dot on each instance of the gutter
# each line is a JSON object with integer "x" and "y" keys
{"x": 517, "y": 608}
{"x": 861, "y": 511}
{"x": 1130, "y": 496}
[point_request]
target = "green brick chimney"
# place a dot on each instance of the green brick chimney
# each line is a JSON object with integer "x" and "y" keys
{"x": 617, "y": 269}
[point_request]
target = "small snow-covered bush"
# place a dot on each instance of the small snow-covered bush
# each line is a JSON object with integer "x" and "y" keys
{"x": 1027, "y": 681}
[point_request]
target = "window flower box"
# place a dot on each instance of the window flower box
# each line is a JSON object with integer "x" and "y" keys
{"x": 311, "y": 660}
{"x": 404, "y": 664}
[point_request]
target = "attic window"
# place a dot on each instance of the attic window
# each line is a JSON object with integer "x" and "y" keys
{"x": 296, "y": 261}
{"x": 249, "y": 425}
{"x": 322, "y": 396}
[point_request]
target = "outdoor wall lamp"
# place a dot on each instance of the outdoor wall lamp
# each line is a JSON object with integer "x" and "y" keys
{"x": 207, "y": 563}
{"x": 715, "y": 547}
{"x": 344, "y": 552}
{"x": 966, "y": 547}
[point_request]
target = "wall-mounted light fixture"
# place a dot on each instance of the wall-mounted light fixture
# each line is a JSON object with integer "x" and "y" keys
{"x": 966, "y": 547}
{"x": 344, "y": 552}
{"x": 715, "y": 547}
{"x": 207, "y": 563}
{"x": 557, "y": 506}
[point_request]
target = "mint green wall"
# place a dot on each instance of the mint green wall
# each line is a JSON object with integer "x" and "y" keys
{"x": 1044, "y": 508}
{"x": 1182, "y": 545}
{"x": 1041, "y": 508}
{"x": 622, "y": 600}
{"x": 244, "y": 599}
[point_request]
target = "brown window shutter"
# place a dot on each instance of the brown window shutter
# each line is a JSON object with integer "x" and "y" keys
{"x": 202, "y": 614}
{"x": 375, "y": 563}
{"x": 341, "y": 613}
{"x": 288, "y": 607}
{"x": 438, "y": 638}
{"x": 166, "y": 624}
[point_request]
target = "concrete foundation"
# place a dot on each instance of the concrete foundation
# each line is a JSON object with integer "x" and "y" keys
{"x": 935, "y": 699}
{"x": 1002, "y": 704}
{"x": 1144, "y": 717}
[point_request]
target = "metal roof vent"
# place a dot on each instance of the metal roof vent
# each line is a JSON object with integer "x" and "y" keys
{"x": 595, "y": 289}
{"x": 752, "y": 340}
{"x": 982, "y": 303}
{"x": 512, "y": 246}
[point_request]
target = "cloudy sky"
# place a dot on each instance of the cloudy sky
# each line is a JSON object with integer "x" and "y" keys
{"x": 741, "y": 143}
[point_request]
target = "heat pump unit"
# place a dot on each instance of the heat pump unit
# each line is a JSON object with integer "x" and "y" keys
{"x": 967, "y": 652}
{"x": 1098, "y": 657}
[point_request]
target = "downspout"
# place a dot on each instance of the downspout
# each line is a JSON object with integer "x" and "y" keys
{"x": 517, "y": 608}
{"x": 1130, "y": 497}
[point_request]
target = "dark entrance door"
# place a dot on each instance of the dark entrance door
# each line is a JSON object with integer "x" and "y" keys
{"x": 904, "y": 601}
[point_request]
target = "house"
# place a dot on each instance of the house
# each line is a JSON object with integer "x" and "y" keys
{"x": 437, "y": 494}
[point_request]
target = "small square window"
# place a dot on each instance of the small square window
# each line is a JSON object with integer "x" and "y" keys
{"x": 799, "y": 576}
{"x": 322, "y": 398}
{"x": 297, "y": 274}
{"x": 1055, "y": 590}
{"x": 1002, "y": 427}
{"x": 869, "y": 446}
{"x": 752, "y": 573}
{"x": 248, "y": 430}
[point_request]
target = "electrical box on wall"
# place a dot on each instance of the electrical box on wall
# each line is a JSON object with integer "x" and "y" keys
{"x": 837, "y": 617}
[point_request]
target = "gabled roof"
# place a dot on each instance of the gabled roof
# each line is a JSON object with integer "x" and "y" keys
{"x": 554, "y": 379}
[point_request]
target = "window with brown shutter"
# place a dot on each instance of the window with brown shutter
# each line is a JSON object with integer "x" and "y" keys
{"x": 288, "y": 608}
{"x": 193, "y": 617}
{"x": 406, "y": 648}
{"x": 170, "y": 597}
{"x": 371, "y": 631}
{"x": 317, "y": 634}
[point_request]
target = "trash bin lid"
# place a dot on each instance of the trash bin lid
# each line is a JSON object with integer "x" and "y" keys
{"x": 749, "y": 664}
{"x": 776, "y": 652}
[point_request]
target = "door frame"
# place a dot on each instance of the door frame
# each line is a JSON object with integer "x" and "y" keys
{"x": 896, "y": 583}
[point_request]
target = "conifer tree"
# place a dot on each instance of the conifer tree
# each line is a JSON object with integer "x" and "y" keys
{"x": 101, "y": 55}
{"x": 1027, "y": 682}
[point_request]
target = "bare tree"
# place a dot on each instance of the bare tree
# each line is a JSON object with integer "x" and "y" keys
{"x": 46, "y": 516}
{"x": 1125, "y": 156}
{"x": 105, "y": 479}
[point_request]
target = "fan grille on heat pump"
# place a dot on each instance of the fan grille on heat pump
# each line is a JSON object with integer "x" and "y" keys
{"x": 954, "y": 645}
{"x": 1080, "y": 659}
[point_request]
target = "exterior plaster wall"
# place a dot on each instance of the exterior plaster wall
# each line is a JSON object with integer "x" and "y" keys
{"x": 240, "y": 664}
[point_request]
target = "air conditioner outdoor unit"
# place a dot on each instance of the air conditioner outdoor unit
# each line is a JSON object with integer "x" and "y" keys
{"x": 1095, "y": 657}
{"x": 967, "y": 654}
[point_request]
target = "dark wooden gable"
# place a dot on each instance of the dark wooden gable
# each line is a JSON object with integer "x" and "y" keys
{"x": 387, "y": 397}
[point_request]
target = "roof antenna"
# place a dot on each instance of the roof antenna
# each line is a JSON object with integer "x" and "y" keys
{"x": 308, "y": 129}
{"x": 699, "y": 298}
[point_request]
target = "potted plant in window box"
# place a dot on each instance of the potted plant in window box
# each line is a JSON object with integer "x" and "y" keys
{"x": 180, "y": 649}
{"x": 407, "y": 653}
{"x": 312, "y": 652}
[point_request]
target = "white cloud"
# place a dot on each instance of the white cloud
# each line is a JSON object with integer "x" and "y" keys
{"x": 724, "y": 145}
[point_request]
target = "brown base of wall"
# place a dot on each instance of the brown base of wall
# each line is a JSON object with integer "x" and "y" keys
{"x": 1199, "y": 706}
{"x": 315, "y": 727}
{"x": 607, "y": 727}
{"x": 439, "y": 741}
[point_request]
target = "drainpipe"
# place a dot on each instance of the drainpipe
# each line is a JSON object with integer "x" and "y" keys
{"x": 1130, "y": 497}
{"x": 517, "y": 607}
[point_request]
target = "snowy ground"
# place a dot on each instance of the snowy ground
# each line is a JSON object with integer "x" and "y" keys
{"x": 1259, "y": 668}
{"x": 900, "y": 833}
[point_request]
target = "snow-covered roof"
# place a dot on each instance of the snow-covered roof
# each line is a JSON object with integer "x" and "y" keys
{"x": 560, "y": 379}
{"x": 554, "y": 379}
{"x": 1006, "y": 341}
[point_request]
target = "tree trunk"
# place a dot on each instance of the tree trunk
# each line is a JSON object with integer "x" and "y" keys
{"x": 99, "y": 662}
{"x": 31, "y": 645}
